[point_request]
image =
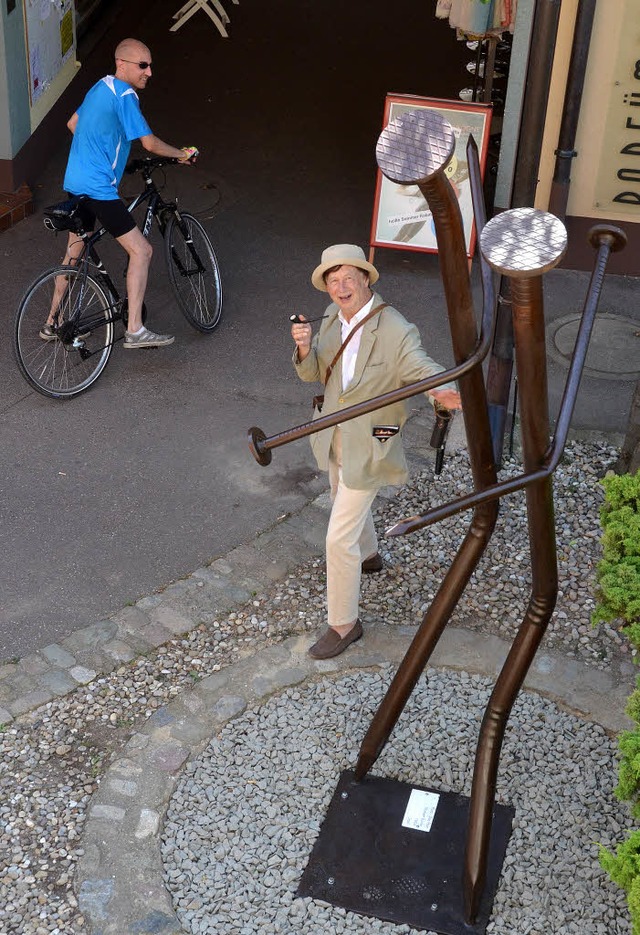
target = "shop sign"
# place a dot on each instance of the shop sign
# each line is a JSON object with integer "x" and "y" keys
{"x": 618, "y": 179}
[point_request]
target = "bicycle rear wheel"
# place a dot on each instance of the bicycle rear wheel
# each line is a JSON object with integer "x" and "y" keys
{"x": 71, "y": 360}
{"x": 194, "y": 272}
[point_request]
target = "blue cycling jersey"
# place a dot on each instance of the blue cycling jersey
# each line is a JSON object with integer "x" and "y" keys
{"x": 109, "y": 118}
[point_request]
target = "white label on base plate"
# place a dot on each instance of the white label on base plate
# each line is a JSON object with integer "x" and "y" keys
{"x": 421, "y": 810}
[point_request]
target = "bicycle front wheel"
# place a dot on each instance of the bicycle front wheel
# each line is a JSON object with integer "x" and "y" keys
{"x": 71, "y": 356}
{"x": 194, "y": 271}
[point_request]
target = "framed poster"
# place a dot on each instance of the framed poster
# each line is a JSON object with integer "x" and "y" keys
{"x": 401, "y": 216}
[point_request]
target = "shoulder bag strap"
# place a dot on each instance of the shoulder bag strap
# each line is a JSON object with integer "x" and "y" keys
{"x": 374, "y": 311}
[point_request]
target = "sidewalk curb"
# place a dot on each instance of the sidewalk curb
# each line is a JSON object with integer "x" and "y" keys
{"x": 209, "y": 592}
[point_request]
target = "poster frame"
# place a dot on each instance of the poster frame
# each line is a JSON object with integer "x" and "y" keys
{"x": 383, "y": 189}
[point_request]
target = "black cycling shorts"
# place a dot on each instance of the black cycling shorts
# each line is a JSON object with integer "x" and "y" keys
{"x": 112, "y": 214}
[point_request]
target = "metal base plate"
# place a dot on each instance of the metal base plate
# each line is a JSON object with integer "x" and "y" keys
{"x": 366, "y": 861}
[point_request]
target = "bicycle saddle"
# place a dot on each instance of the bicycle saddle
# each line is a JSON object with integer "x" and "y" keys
{"x": 62, "y": 217}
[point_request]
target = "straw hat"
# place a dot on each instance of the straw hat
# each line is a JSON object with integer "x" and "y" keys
{"x": 339, "y": 254}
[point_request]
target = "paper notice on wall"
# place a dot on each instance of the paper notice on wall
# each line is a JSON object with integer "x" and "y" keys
{"x": 51, "y": 41}
{"x": 420, "y": 810}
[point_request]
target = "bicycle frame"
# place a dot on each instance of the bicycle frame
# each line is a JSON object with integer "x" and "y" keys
{"x": 82, "y": 303}
{"x": 157, "y": 208}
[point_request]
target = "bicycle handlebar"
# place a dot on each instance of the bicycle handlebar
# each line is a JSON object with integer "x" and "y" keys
{"x": 150, "y": 164}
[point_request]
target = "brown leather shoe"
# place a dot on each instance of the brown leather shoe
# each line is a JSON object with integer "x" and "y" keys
{"x": 332, "y": 644}
{"x": 373, "y": 564}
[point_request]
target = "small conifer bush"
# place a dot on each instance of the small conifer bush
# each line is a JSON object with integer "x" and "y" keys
{"x": 619, "y": 571}
{"x": 618, "y": 598}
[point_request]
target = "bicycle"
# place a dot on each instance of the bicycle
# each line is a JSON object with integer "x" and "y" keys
{"x": 90, "y": 308}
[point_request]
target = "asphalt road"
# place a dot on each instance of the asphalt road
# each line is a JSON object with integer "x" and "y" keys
{"x": 148, "y": 475}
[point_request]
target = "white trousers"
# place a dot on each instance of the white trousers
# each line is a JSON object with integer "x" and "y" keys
{"x": 351, "y": 537}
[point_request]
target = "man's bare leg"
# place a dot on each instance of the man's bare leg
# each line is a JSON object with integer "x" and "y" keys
{"x": 74, "y": 248}
{"x": 139, "y": 251}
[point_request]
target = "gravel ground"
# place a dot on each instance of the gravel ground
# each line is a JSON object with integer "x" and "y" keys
{"x": 51, "y": 760}
{"x": 246, "y": 812}
{"x": 496, "y": 597}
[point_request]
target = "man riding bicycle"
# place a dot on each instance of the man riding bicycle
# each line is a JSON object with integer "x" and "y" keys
{"x": 103, "y": 127}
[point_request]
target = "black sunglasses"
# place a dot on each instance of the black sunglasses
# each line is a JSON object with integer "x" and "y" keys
{"x": 142, "y": 65}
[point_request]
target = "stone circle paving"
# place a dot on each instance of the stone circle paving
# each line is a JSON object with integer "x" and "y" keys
{"x": 243, "y": 819}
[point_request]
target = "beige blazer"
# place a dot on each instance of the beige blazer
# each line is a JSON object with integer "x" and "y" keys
{"x": 390, "y": 356}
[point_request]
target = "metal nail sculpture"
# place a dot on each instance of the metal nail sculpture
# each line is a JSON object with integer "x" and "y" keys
{"x": 435, "y": 160}
{"x": 523, "y": 244}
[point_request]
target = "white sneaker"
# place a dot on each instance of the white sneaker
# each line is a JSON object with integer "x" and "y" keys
{"x": 146, "y": 338}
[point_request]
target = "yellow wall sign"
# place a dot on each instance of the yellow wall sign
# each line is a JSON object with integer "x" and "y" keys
{"x": 617, "y": 185}
{"x": 67, "y": 37}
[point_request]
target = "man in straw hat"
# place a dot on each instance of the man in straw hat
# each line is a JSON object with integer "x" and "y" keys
{"x": 364, "y": 348}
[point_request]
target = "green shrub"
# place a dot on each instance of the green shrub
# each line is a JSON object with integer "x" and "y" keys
{"x": 624, "y": 869}
{"x": 628, "y": 788}
{"x": 618, "y": 574}
{"x": 618, "y": 596}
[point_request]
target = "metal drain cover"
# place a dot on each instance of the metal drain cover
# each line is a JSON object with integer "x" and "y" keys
{"x": 614, "y": 349}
